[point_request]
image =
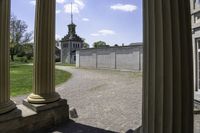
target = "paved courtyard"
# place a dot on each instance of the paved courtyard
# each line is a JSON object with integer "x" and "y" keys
{"x": 106, "y": 101}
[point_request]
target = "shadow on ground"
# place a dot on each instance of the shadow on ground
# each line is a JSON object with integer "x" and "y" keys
{"x": 73, "y": 127}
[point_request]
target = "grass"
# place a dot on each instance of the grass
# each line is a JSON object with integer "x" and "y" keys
{"x": 21, "y": 78}
{"x": 136, "y": 74}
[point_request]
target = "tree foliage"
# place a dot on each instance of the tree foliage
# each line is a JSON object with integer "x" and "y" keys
{"x": 18, "y": 36}
{"x": 100, "y": 44}
{"x": 86, "y": 45}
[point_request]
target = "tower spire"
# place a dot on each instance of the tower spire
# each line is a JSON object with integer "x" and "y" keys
{"x": 71, "y": 13}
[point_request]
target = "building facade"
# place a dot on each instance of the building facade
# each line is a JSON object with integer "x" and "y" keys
{"x": 195, "y": 14}
{"x": 69, "y": 44}
{"x": 120, "y": 58}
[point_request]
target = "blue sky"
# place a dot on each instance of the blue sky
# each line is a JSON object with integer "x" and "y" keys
{"x": 112, "y": 21}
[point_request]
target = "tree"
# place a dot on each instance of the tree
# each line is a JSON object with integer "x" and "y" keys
{"x": 100, "y": 44}
{"x": 86, "y": 45}
{"x": 18, "y": 35}
{"x": 28, "y": 50}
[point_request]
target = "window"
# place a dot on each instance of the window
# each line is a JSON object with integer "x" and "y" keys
{"x": 197, "y": 18}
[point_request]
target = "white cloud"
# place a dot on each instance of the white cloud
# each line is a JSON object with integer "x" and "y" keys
{"x": 95, "y": 34}
{"x": 85, "y": 19}
{"x": 103, "y": 32}
{"x": 57, "y": 36}
{"x": 124, "y": 7}
{"x": 33, "y": 2}
{"x": 79, "y": 3}
{"x": 60, "y": 1}
{"x": 76, "y": 6}
{"x": 58, "y": 11}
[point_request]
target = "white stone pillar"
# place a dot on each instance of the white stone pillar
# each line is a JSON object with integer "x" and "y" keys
{"x": 168, "y": 67}
{"x": 44, "y": 62}
{"x": 6, "y": 104}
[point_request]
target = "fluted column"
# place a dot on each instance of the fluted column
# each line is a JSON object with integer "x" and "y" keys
{"x": 44, "y": 63}
{"x": 5, "y": 103}
{"x": 168, "y": 67}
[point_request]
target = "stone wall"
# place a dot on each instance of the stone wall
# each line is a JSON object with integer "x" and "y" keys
{"x": 122, "y": 58}
{"x": 195, "y": 13}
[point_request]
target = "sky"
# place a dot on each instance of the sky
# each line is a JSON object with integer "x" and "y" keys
{"x": 112, "y": 21}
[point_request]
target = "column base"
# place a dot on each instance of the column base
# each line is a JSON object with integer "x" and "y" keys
{"x": 42, "y": 107}
{"x": 9, "y": 106}
{"x": 59, "y": 110}
{"x": 43, "y": 99}
{"x": 46, "y": 116}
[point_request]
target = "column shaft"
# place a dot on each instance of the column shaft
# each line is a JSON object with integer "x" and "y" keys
{"x": 44, "y": 62}
{"x": 5, "y": 103}
{"x": 168, "y": 67}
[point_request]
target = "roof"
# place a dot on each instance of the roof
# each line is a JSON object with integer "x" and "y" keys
{"x": 73, "y": 37}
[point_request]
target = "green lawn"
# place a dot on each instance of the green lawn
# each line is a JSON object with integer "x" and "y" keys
{"x": 21, "y": 78}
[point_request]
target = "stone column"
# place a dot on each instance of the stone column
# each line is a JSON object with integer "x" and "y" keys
{"x": 168, "y": 67}
{"x": 5, "y": 103}
{"x": 44, "y": 62}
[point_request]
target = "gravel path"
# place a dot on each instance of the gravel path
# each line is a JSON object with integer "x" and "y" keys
{"x": 106, "y": 101}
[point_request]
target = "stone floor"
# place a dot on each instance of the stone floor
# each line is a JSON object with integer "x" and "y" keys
{"x": 106, "y": 101}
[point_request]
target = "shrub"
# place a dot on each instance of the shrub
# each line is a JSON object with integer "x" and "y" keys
{"x": 29, "y": 56}
{"x": 23, "y": 60}
{"x": 21, "y": 54}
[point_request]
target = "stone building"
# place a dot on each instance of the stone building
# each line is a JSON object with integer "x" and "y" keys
{"x": 70, "y": 43}
{"x": 195, "y": 13}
